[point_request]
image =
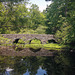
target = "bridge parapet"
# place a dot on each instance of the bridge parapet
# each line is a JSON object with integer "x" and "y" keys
{"x": 42, "y": 37}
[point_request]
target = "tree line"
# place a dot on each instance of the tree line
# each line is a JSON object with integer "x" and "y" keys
{"x": 58, "y": 19}
{"x": 60, "y": 16}
{"x": 16, "y": 17}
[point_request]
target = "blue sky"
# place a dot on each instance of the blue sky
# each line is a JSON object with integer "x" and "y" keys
{"x": 41, "y": 3}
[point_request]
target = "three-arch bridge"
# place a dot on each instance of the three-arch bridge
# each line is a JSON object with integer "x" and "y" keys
{"x": 43, "y": 37}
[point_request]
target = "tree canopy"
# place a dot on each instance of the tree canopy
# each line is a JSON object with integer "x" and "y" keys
{"x": 60, "y": 17}
{"x": 57, "y": 19}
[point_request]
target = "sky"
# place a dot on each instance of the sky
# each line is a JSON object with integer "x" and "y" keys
{"x": 42, "y": 4}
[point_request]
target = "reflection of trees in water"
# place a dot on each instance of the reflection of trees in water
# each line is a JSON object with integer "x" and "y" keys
{"x": 28, "y": 63}
{"x": 20, "y": 64}
{"x": 6, "y": 61}
{"x": 61, "y": 64}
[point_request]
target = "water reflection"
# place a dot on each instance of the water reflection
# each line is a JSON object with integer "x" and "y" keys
{"x": 60, "y": 64}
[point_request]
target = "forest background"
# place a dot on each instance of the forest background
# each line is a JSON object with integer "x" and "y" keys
{"x": 58, "y": 19}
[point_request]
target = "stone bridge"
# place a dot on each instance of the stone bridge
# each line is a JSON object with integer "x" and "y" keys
{"x": 43, "y": 37}
{"x": 9, "y": 51}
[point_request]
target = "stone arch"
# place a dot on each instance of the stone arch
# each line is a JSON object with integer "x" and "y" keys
{"x": 51, "y": 41}
{"x": 34, "y": 39}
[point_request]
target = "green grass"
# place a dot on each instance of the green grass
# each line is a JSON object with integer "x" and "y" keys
{"x": 35, "y": 41}
{"x": 34, "y": 46}
{"x": 50, "y": 46}
{"x": 46, "y": 46}
{"x": 53, "y": 46}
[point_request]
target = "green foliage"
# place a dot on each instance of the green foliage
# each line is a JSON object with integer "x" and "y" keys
{"x": 3, "y": 18}
{"x": 52, "y": 16}
{"x": 64, "y": 34}
{"x": 60, "y": 17}
{"x": 36, "y": 17}
{"x": 40, "y": 30}
{"x": 33, "y": 46}
{"x": 35, "y": 41}
{"x": 20, "y": 19}
{"x": 10, "y": 32}
{"x": 27, "y": 31}
{"x": 4, "y": 41}
{"x": 53, "y": 46}
{"x": 21, "y": 41}
{"x": 46, "y": 46}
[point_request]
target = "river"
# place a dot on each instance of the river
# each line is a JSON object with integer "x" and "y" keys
{"x": 62, "y": 63}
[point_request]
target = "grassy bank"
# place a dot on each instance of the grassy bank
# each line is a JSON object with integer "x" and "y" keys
{"x": 34, "y": 44}
{"x": 50, "y": 46}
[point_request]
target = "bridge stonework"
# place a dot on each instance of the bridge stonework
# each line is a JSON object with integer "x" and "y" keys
{"x": 43, "y": 37}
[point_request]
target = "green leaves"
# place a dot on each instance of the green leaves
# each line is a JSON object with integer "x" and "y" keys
{"x": 60, "y": 20}
{"x": 17, "y": 18}
{"x": 4, "y": 41}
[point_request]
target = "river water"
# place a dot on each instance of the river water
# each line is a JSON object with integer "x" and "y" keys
{"x": 62, "y": 63}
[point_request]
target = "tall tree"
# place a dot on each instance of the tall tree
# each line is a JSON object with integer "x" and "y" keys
{"x": 53, "y": 15}
{"x": 12, "y": 12}
{"x": 37, "y": 18}
{"x": 60, "y": 20}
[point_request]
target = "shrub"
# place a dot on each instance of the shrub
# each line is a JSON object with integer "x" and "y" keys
{"x": 35, "y": 41}
{"x": 4, "y": 41}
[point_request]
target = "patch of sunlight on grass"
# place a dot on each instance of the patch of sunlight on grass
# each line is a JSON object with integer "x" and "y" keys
{"x": 53, "y": 46}
{"x": 34, "y": 46}
{"x": 46, "y": 46}
{"x": 35, "y": 41}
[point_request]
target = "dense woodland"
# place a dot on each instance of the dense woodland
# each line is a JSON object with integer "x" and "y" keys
{"x": 58, "y": 19}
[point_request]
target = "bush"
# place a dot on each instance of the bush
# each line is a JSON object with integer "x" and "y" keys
{"x": 4, "y": 41}
{"x": 21, "y": 41}
{"x": 35, "y": 41}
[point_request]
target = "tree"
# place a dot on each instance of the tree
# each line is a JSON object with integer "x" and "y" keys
{"x": 53, "y": 12}
{"x": 3, "y": 18}
{"x": 37, "y": 18}
{"x": 60, "y": 17}
{"x": 11, "y": 17}
{"x": 20, "y": 18}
